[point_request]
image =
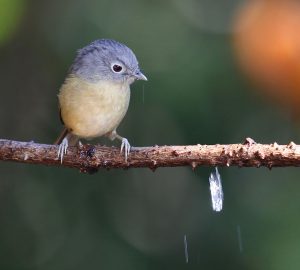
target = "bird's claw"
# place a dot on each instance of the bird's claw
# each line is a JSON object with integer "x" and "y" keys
{"x": 62, "y": 149}
{"x": 126, "y": 146}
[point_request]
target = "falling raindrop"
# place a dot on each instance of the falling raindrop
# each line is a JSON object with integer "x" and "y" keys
{"x": 186, "y": 252}
{"x": 239, "y": 235}
{"x": 143, "y": 94}
{"x": 216, "y": 191}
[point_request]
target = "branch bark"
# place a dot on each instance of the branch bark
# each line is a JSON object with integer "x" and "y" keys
{"x": 90, "y": 158}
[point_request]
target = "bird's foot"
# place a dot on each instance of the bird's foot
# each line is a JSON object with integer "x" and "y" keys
{"x": 126, "y": 146}
{"x": 62, "y": 149}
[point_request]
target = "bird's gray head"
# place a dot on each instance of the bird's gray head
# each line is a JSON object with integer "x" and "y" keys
{"x": 109, "y": 60}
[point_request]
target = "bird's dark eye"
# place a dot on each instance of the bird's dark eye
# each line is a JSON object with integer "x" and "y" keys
{"x": 117, "y": 68}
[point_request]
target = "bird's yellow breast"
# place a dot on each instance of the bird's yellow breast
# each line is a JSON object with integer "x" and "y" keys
{"x": 92, "y": 109}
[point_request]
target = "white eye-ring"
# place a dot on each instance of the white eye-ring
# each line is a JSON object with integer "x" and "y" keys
{"x": 116, "y": 68}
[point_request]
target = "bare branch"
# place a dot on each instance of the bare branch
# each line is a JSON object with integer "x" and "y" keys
{"x": 90, "y": 158}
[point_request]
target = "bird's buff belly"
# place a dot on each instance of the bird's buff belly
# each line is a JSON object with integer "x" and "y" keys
{"x": 91, "y": 110}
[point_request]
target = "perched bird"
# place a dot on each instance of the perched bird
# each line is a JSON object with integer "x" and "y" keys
{"x": 95, "y": 95}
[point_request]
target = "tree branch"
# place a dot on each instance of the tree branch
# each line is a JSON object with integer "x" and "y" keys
{"x": 89, "y": 158}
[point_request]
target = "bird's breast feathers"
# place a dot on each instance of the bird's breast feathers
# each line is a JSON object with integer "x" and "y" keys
{"x": 93, "y": 109}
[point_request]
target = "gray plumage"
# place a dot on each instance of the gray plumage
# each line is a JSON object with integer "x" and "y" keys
{"x": 94, "y": 62}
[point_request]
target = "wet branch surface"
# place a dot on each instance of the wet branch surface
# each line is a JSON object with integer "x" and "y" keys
{"x": 90, "y": 158}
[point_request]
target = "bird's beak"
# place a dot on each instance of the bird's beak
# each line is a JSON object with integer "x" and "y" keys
{"x": 140, "y": 76}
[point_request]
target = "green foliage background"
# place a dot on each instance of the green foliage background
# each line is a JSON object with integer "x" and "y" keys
{"x": 57, "y": 218}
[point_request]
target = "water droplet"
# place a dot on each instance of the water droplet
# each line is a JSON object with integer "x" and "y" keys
{"x": 186, "y": 252}
{"x": 239, "y": 235}
{"x": 216, "y": 191}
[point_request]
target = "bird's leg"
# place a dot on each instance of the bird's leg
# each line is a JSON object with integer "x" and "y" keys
{"x": 69, "y": 139}
{"x": 124, "y": 142}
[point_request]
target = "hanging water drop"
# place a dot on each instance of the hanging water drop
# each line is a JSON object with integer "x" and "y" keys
{"x": 216, "y": 191}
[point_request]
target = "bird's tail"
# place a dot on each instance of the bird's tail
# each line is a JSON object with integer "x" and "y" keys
{"x": 61, "y": 136}
{"x": 72, "y": 139}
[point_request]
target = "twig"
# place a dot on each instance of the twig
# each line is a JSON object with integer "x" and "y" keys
{"x": 90, "y": 158}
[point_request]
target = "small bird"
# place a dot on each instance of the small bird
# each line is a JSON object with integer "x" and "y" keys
{"x": 95, "y": 96}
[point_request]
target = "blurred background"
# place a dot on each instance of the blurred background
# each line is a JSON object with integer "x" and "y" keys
{"x": 219, "y": 71}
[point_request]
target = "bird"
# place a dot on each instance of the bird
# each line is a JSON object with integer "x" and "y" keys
{"x": 95, "y": 95}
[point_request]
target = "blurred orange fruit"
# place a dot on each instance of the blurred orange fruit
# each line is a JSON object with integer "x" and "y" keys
{"x": 267, "y": 44}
